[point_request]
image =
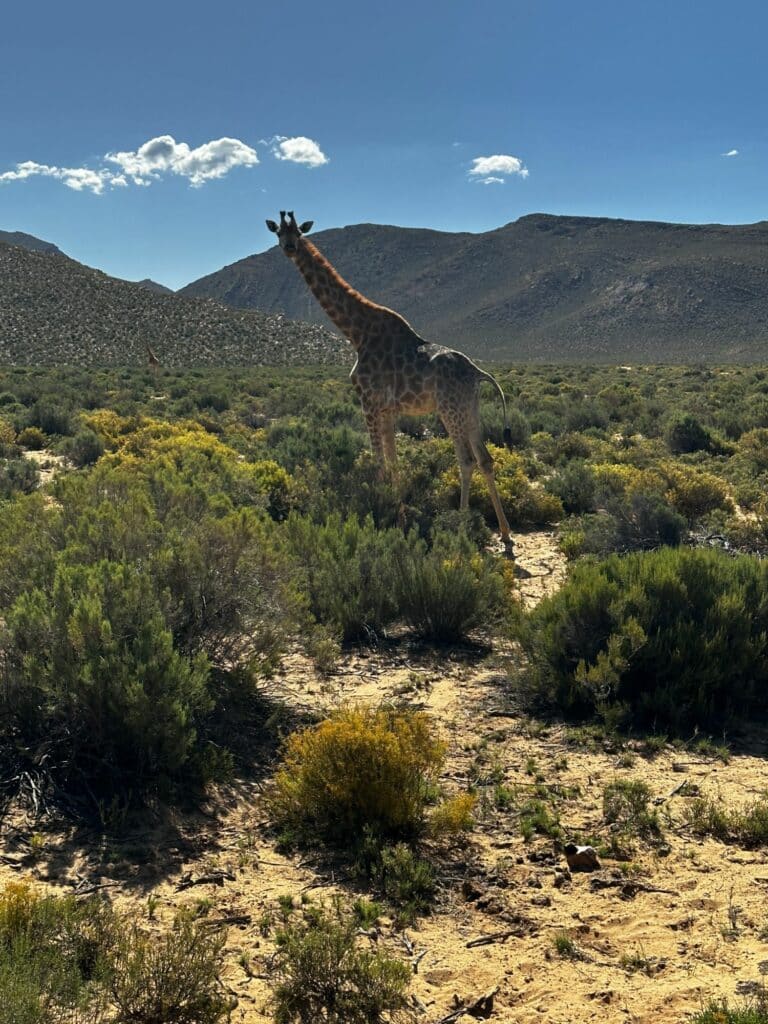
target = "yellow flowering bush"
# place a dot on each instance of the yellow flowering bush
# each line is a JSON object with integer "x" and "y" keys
{"x": 693, "y": 493}
{"x": 362, "y": 768}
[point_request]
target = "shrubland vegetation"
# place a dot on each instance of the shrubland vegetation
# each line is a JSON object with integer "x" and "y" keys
{"x": 208, "y": 522}
{"x": 211, "y": 518}
{"x": 62, "y": 960}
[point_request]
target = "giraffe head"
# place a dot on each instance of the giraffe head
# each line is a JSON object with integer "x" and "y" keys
{"x": 289, "y": 232}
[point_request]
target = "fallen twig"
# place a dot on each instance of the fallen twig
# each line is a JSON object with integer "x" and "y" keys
{"x": 486, "y": 940}
{"x": 210, "y": 878}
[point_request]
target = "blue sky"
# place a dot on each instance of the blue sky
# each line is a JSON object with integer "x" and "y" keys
{"x": 350, "y": 112}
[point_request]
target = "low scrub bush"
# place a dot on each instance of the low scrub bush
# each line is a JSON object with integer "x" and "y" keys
{"x": 685, "y": 434}
{"x": 445, "y": 591}
{"x": 321, "y": 974}
{"x": 674, "y": 637}
{"x": 362, "y": 769}
{"x": 453, "y": 816}
{"x": 173, "y": 978}
{"x": 746, "y": 826}
{"x": 32, "y": 438}
{"x": 90, "y": 668}
{"x": 54, "y": 955}
{"x": 348, "y": 569}
{"x": 524, "y": 503}
{"x": 575, "y": 485}
{"x": 404, "y": 879}
{"x": 636, "y": 522}
{"x": 625, "y": 804}
{"x": 85, "y": 448}
{"x": 693, "y": 493}
{"x": 722, "y": 1012}
{"x": 65, "y": 960}
{"x": 17, "y": 476}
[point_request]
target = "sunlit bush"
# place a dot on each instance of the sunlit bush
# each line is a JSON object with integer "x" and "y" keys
{"x": 360, "y": 769}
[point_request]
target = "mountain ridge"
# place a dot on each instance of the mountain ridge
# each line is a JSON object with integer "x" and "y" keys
{"x": 545, "y": 287}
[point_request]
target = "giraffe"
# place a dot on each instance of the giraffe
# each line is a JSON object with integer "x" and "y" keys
{"x": 152, "y": 361}
{"x": 394, "y": 371}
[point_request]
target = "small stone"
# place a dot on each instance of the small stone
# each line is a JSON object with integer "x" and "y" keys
{"x": 581, "y": 858}
{"x": 562, "y": 877}
{"x": 470, "y": 890}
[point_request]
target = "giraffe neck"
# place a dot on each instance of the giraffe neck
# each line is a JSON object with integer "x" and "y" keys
{"x": 348, "y": 309}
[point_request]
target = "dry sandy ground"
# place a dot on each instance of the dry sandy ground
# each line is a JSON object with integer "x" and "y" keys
{"x": 690, "y": 913}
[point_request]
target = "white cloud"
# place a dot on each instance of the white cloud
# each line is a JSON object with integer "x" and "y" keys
{"x": 299, "y": 150}
{"x": 731, "y": 152}
{"x": 78, "y": 178}
{"x": 493, "y": 170}
{"x": 164, "y": 155}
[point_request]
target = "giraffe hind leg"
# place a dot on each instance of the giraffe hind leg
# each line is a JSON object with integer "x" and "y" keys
{"x": 485, "y": 464}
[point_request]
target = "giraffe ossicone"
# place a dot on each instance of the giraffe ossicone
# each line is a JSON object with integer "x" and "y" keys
{"x": 394, "y": 371}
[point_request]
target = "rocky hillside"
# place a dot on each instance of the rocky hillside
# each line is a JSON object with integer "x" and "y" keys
{"x": 153, "y": 286}
{"x": 27, "y": 241}
{"x": 54, "y": 310}
{"x": 543, "y": 288}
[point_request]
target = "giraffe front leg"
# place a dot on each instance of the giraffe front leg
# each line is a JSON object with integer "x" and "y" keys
{"x": 376, "y": 433}
{"x": 387, "y": 427}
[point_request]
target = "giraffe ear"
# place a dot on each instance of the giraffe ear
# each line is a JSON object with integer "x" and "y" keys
{"x": 306, "y": 226}
{"x": 272, "y": 226}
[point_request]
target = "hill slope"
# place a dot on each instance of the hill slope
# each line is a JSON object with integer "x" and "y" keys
{"x": 27, "y": 241}
{"x": 542, "y": 288}
{"x": 54, "y": 310}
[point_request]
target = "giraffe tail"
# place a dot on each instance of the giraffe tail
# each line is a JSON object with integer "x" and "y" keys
{"x": 507, "y": 434}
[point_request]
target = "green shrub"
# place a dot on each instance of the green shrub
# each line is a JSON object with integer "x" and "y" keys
{"x": 635, "y": 522}
{"x": 446, "y": 591}
{"x": 32, "y": 438}
{"x": 405, "y": 880}
{"x": 747, "y": 826}
{"x": 90, "y": 666}
{"x": 18, "y": 476}
{"x": 453, "y": 816}
{"x": 575, "y": 485}
{"x": 360, "y": 769}
{"x": 349, "y": 572}
{"x": 721, "y": 1012}
{"x": 685, "y": 434}
{"x": 625, "y": 804}
{"x": 84, "y": 448}
{"x": 172, "y": 979}
{"x": 676, "y": 637}
{"x": 524, "y": 503}
{"x": 53, "y": 956}
{"x": 322, "y": 975}
{"x": 694, "y": 494}
{"x": 51, "y": 416}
